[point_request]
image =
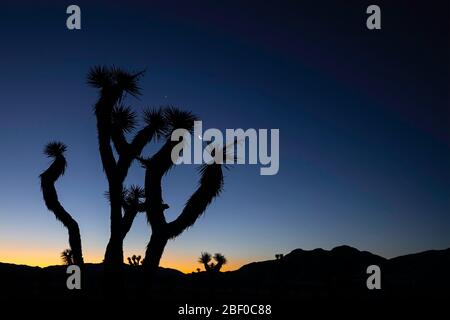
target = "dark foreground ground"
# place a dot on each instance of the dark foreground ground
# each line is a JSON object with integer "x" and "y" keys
{"x": 300, "y": 278}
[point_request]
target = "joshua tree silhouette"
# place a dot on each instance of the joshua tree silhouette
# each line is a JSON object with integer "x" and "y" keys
{"x": 134, "y": 260}
{"x": 205, "y": 259}
{"x": 114, "y": 122}
{"x": 220, "y": 261}
{"x": 67, "y": 257}
{"x": 55, "y": 150}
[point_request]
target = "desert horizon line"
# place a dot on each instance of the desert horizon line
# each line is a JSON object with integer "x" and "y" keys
{"x": 184, "y": 268}
{"x": 188, "y": 266}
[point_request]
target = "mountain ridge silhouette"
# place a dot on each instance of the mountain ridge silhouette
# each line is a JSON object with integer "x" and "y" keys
{"x": 300, "y": 274}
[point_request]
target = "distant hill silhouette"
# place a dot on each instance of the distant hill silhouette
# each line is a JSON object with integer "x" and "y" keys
{"x": 300, "y": 275}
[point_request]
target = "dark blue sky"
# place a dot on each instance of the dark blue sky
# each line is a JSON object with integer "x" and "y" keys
{"x": 363, "y": 116}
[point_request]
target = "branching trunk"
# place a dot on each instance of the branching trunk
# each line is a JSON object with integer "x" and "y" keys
{"x": 103, "y": 111}
{"x": 116, "y": 172}
{"x": 207, "y": 266}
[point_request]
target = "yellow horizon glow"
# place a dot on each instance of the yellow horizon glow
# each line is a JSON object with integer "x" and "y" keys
{"x": 45, "y": 258}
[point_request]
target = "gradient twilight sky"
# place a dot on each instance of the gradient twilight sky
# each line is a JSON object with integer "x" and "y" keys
{"x": 364, "y": 119}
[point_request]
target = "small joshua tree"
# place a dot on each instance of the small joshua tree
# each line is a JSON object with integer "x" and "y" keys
{"x": 134, "y": 260}
{"x": 206, "y": 258}
{"x": 279, "y": 256}
{"x": 67, "y": 257}
{"x": 220, "y": 261}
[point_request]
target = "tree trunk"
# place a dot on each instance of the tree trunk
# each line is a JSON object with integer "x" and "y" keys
{"x": 114, "y": 251}
{"x": 114, "y": 277}
{"x": 153, "y": 256}
{"x": 75, "y": 242}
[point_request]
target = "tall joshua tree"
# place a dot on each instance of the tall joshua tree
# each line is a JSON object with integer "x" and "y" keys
{"x": 55, "y": 150}
{"x": 113, "y": 121}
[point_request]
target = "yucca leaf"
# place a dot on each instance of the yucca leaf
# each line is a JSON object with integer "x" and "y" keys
{"x": 179, "y": 119}
{"x": 54, "y": 149}
{"x": 124, "y": 118}
{"x": 156, "y": 120}
{"x": 127, "y": 81}
{"x": 99, "y": 77}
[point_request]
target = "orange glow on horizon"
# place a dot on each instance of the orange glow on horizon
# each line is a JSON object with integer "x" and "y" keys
{"x": 191, "y": 266}
{"x": 49, "y": 257}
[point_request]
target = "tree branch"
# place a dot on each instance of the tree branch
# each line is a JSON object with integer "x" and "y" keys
{"x": 211, "y": 184}
{"x": 48, "y": 179}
